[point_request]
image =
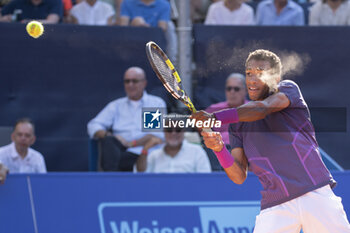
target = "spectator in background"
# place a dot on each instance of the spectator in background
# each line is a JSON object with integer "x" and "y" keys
{"x": 18, "y": 157}
{"x": 115, "y": 4}
{"x": 330, "y": 13}
{"x": 3, "y": 3}
{"x": 199, "y": 9}
{"x": 67, "y": 6}
{"x": 279, "y": 13}
{"x": 145, "y": 13}
{"x": 118, "y": 125}
{"x": 92, "y": 12}
{"x": 45, "y": 11}
{"x": 230, "y": 12}
{"x": 176, "y": 156}
{"x": 151, "y": 13}
{"x": 235, "y": 92}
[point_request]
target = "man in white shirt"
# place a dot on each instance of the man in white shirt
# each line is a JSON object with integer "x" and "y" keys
{"x": 176, "y": 156}
{"x": 18, "y": 157}
{"x": 230, "y": 12}
{"x": 279, "y": 13}
{"x": 118, "y": 125}
{"x": 330, "y": 13}
{"x": 92, "y": 12}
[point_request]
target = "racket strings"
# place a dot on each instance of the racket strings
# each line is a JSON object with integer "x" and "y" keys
{"x": 166, "y": 72}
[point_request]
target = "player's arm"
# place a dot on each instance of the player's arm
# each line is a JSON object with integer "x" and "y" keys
{"x": 256, "y": 110}
{"x": 235, "y": 163}
{"x": 239, "y": 169}
{"x": 252, "y": 111}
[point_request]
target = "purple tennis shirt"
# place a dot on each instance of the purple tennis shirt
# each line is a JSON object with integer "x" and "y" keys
{"x": 282, "y": 150}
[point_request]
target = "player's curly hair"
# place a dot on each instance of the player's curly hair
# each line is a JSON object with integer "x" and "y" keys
{"x": 266, "y": 55}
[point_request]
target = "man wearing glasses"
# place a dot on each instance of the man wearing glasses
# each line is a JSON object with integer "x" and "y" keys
{"x": 176, "y": 156}
{"x": 118, "y": 126}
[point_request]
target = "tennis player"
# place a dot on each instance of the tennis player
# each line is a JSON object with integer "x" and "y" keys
{"x": 274, "y": 138}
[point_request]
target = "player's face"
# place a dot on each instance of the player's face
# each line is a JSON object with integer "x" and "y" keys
{"x": 134, "y": 84}
{"x": 257, "y": 78}
{"x": 235, "y": 92}
{"x": 174, "y": 137}
{"x": 23, "y": 135}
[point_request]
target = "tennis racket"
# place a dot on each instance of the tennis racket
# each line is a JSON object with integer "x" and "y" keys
{"x": 168, "y": 74}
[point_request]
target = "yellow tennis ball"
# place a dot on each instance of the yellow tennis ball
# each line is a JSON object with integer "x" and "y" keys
{"x": 35, "y": 29}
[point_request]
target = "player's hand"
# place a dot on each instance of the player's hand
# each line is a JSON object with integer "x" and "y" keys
{"x": 202, "y": 116}
{"x": 3, "y": 173}
{"x": 213, "y": 140}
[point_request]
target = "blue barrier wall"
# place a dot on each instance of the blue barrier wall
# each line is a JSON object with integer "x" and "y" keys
{"x": 64, "y": 78}
{"x": 104, "y": 202}
{"x": 322, "y": 71}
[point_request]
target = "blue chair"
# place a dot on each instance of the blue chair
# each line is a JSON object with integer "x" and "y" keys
{"x": 93, "y": 154}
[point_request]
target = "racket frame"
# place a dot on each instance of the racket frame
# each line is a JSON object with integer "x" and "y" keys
{"x": 183, "y": 98}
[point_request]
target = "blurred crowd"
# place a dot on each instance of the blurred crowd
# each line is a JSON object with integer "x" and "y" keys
{"x": 161, "y": 13}
{"x": 122, "y": 144}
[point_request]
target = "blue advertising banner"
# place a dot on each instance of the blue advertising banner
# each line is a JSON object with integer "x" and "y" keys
{"x": 134, "y": 203}
{"x": 178, "y": 217}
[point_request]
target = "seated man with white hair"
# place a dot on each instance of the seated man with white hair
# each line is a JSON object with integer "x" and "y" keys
{"x": 176, "y": 156}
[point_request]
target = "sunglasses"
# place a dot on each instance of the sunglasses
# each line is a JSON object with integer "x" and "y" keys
{"x": 237, "y": 89}
{"x": 170, "y": 130}
{"x": 134, "y": 81}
